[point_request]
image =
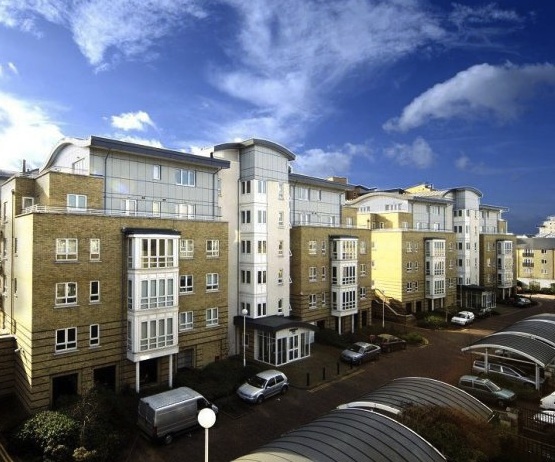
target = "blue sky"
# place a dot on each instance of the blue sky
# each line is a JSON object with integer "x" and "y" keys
{"x": 386, "y": 93}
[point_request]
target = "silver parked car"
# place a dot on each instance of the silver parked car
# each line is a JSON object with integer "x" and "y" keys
{"x": 263, "y": 385}
{"x": 512, "y": 373}
{"x": 485, "y": 390}
{"x": 359, "y": 352}
{"x": 463, "y": 318}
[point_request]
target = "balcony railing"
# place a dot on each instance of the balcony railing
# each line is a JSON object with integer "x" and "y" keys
{"x": 117, "y": 213}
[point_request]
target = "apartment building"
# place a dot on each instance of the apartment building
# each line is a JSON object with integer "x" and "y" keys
{"x": 123, "y": 263}
{"x": 536, "y": 257}
{"x": 114, "y": 268}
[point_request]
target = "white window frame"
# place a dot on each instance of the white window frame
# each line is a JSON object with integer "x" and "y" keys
{"x": 186, "y": 284}
{"x": 94, "y": 297}
{"x": 312, "y": 274}
{"x": 312, "y": 301}
{"x": 65, "y": 344}
{"x": 94, "y": 249}
{"x": 64, "y": 249}
{"x": 94, "y": 337}
{"x": 312, "y": 247}
{"x": 68, "y": 298}
{"x": 212, "y": 282}
{"x": 76, "y": 202}
{"x": 157, "y": 172}
{"x": 26, "y": 202}
{"x": 212, "y": 317}
{"x": 185, "y": 177}
{"x": 186, "y": 248}
{"x": 212, "y": 248}
{"x": 186, "y": 321}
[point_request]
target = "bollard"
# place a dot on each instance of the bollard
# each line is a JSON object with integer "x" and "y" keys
{"x": 323, "y": 373}
{"x": 308, "y": 379}
{"x": 337, "y": 368}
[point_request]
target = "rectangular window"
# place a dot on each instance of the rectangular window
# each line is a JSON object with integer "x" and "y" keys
{"x": 212, "y": 248}
{"x": 280, "y": 276}
{"x": 261, "y": 277}
{"x": 280, "y": 219}
{"x": 324, "y": 247}
{"x": 156, "y": 172}
{"x": 261, "y": 215}
{"x": 301, "y": 193}
{"x": 362, "y": 292}
{"x": 280, "y": 248}
{"x": 245, "y": 277}
{"x": 245, "y": 187}
{"x": 27, "y": 202}
{"x": 185, "y": 177}
{"x": 94, "y": 335}
{"x": 129, "y": 206}
{"x": 94, "y": 249}
{"x": 186, "y": 284}
{"x": 324, "y": 273}
{"x": 156, "y": 208}
{"x": 246, "y": 247}
{"x": 66, "y": 293}
{"x": 362, "y": 247}
{"x": 363, "y": 269}
{"x": 312, "y": 274}
{"x": 324, "y": 299}
{"x": 212, "y": 282}
{"x": 212, "y": 317}
{"x": 261, "y": 247}
{"x": 186, "y": 320}
{"x": 312, "y": 247}
{"x": 66, "y": 249}
{"x": 261, "y": 186}
{"x": 157, "y": 292}
{"x": 186, "y": 248}
{"x": 94, "y": 292}
{"x": 77, "y": 202}
{"x": 261, "y": 309}
{"x": 312, "y": 301}
{"x": 245, "y": 217}
{"x": 185, "y": 210}
{"x": 66, "y": 339}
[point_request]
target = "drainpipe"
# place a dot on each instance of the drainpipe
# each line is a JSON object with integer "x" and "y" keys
{"x": 12, "y": 252}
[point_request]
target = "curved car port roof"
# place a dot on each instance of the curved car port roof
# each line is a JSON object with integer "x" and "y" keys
{"x": 366, "y": 430}
{"x": 532, "y": 338}
{"x": 349, "y": 434}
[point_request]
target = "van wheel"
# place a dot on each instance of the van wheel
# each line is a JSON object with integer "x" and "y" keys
{"x": 284, "y": 390}
{"x": 260, "y": 399}
{"x": 168, "y": 439}
{"x": 501, "y": 403}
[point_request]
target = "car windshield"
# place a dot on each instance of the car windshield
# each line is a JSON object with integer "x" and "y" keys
{"x": 492, "y": 386}
{"x": 355, "y": 348}
{"x": 256, "y": 381}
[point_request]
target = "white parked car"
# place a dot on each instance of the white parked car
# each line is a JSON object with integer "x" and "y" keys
{"x": 463, "y": 318}
{"x": 546, "y": 418}
{"x": 548, "y": 402}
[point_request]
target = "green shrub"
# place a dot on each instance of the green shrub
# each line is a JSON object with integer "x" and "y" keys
{"x": 432, "y": 321}
{"x": 414, "y": 338}
{"x": 48, "y": 433}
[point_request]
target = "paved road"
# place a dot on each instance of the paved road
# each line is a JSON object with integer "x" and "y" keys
{"x": 441, "y": 359}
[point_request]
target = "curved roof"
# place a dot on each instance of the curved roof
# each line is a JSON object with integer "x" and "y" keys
{"x": 356, "y": 435}
{"x": 532, "y": 338}
{"x": 132, "y": 148}
{"x": 422, "y": 391}
{"x": 256, "y": 141}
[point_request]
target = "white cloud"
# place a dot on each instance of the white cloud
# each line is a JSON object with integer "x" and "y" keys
{"x": 332, "y": 162}
{"x": 419, "y": 154}
{"x": 480, "y": 91}
{"x": 132, "y": 121}
{"x": 4, "y": 68}
{"x": 134, "y": 139}
{"x": 100, "y": 27}
{"x": 26, "y": 132}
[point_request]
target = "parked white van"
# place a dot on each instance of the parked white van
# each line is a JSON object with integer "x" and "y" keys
{"x": 548, "y": 402}
{"x": 163, "y": 415}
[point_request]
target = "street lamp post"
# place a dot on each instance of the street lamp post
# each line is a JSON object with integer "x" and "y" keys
{"x": 244, "y": 312}
{"x": 206, "y": 419}
{"x": 383, "y": 310}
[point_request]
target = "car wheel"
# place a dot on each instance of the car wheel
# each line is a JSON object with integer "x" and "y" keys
{"x": 168, "y": 439}
{"x": 260, "y": 399}
{"x": 284, "y": 389}
{"x": 501, "y": 403}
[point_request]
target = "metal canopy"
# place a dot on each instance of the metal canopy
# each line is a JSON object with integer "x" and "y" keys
{"x": 422, "y": 391}
{"x": 532, "y": 338}
{"x": 355, "y": 435}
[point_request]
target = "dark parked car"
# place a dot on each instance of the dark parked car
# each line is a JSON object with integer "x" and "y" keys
{"x": 359, "y": 352}
{"x": 388, "y": 342}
